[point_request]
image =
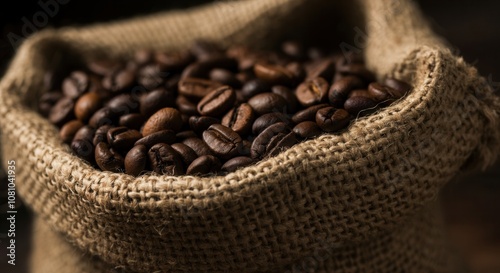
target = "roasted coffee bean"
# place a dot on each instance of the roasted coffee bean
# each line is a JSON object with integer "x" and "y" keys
{"x": 223, "y": 141}
{"x": 47, "y": 101}
{"x": 84, "y": 149}
{"x": 143, "y": 57}
{"x": 398, "y": 88}
{"x": 246, "y": 148}
{"x": 307, "y": 129}
{"x": 379, "y": 92}
{"x": 272, "y": 140}
{"x": 124, "y": 104}
{"x": 103, "y": 116}
{"x": 103, "y": 67}
{"x": 267, "y": 120}
{"x": 173, "y": 62}
{"x": 69, "y": 130}
{"x": 164, "y": 136}
{"x": 187, "y": 154}
{"x": 217, "y": 102}
{"x": 122, "y": 138}
{"x": 107, "y": 159}
{"x": 132, "y": 121}
{"x": 164, "y": 119}
{"x": 254, "y": 87}
{"x": 356, "y": 69}
{"x": 185, "y": 135}
{"x": 323, "y": 69}
{"x": 339, "y": 91}
{"x": 156, "y": 100}
{"x": 288, "y": 95}
{"x": 236, "y": 162}
{"x": 199, "y": 124}
{"x": 195, "y": 71}
{"x": 274, "y": 74}
{"x": 293, "y": 50}
{"x": 312, "y": 92}
{"x": 268, "y": 102}
{"x": 87, "y": 105}
{"x": 330, "y": 119}
{"x": 198, "y": 145}
{"x": 62, "y": 112}
{"x": 85, "y": 133}
{"x": 186, "y": 106}
{"x": 136, "y": 160}
{"x": 150, "y": 76}
{"x": 356, "y": 104}
{"x": 119, "y": 80}
{"x": 219, "y": 61}
{"x": 76, "y": 84}
{"x": 240, "y": 119}
{"x": 195, "y": 88}
{"x": 165, "y": 160}
{"x": 204, "y": 165}
{"x": 308, "y": 114}
{"x": 101, "y": 134}
{"x": 297, "y": 70}
{"x": 224, "y": 77}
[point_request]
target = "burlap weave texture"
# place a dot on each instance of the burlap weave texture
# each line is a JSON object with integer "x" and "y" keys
{"x": 334, "y": 191}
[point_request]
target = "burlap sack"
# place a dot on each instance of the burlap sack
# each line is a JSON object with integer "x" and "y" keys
{"x": 352, "y": 201}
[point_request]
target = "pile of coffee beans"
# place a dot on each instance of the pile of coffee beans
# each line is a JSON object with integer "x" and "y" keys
{"x": 206, "y": 110}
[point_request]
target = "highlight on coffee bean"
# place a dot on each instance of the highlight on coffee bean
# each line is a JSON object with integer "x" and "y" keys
{"x": 207, "y": 110}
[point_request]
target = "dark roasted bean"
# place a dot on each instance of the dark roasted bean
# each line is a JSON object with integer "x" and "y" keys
{"x": 187, "y": 154}
{"x": 84, "y": 149}
{"x": 217, "y": 102}
{"x": 103, "y": 116}
{"x": 85, "y": 133}
{"x": 132, "y": 121}
{"x": 267, "y": 120}
{"x": 360, "y": 103}
{"x": 323, "y": 69}
{"x": 268, "y": 102}
{"x": 164, "y": 136}
{"x": 339, "y": 91}
{"x": 101, "y": 134}
{"x": 195, "y": 88}
{"x": 119, "y": 80}
{"x": 136, "y": 160}
{"x": 186, "y": 106}
{"x": 225, "y": 77}
{"x": 47, "y": 101}
{"x": 307, "y": 129}
{"x": 236, "y": 162}
{"x": 69, "y": 130}
{"x": 204, "y": 165}
{"x": 198, "y": 145}
{"x": 76, "y": 84}
{"x": 274, "y": 74}
{"x": 254, "y": 87}
{"x": 107, "y": 159}
{"x": 272, "y": 140}
{"x": 288, "y": 95}
{"x": 312, "y": 92}
{"x": 330, "y": 119}
{"x": 199, "y": 124}
{"x": 223, "y": 141}
{"x": 173, "y": 62}
{"x": 240, "y": 119}
{"x": 87, "y": 105}
{"x": 122, "y": 138}
{"x": 156, "y": 100}
{"x": 62, "y": 112}
{"x": 398, "y": 88}
{"x": 165, "y": 160}
{"x": 164, "y": 119}
{"x": 308, "y": 114}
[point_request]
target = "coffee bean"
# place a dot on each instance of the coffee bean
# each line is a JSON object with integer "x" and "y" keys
{"x": 85, "y": 133}
{"x": 76, "y": 84}
{"x": 124, "y": 104}
{"x": 196, "y": 71}
{"x": 200, "y": 124}
{"x": 165, "y": 160}
{"x": 173, "y": 62}
{"x": 136, "y": 160}
{"x": 62, "y": 111}
{"x": 288, "y": 95}
{"x": 164, "y": 136}
{"x": 254, "y": 87}
{"x": 119, "y": 80}
{"x": 272, "y": 140}
{"x": 240, "y": 119}
{"x": 156, "y": 100}
{"x": 198, "y": 145}
{"x": 143, "y": 57}
{"x": 186, "y": 106}
{"x": 47, "y": 101}
{"x": 330, "y": 119}
{"x": 69, "y": 130}
{"x": 87, "y": 105}
{"x": 267, "y": 120}
{"x": 293, "y": 50}
{"x": 103, "y": 67}
{"x": 323, "y": 69}
{"x": 268, "y": 102}
{"x": 339, "y": 91}
{"x": 187, "y": 154}
{"x": 297, "y": 70}
{"x": 122, "y": 138}
{"x": 217, "y": 102}
{"x": 223, "y": 141}
{"x": 397, "y": 88}
{"x": 274, "y": 74}
{"x": 308, "y": 114}
{"x": 132, "y": 121}
{"x": 237, "y": 162}
{"x": 185, "y": 135}
{"x": 224, "y": 77}
{"x": 356, "y": 69}
{"x": 150, "y": 76}
{"x": 107, "y": 159}
{"x": 312, "y": 92}
{"x": 103, "y": 116}
{"x": 84, "y": 149}
{"x": 355, "y": 104}
{"x": 307, "y": 129}
{"x": 204, "y": 165}
{"x": 164, "y": 119}
{"x": 195, "y": 88}
{"x": 101, "y": 134}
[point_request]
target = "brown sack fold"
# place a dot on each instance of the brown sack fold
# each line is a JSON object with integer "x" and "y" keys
{"x": 350, "y": 193}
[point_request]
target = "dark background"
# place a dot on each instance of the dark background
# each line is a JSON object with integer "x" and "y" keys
{"x": 471, "y": 202}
